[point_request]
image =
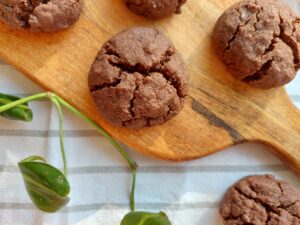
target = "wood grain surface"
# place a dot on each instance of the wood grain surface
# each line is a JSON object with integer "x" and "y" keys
{"x": 219, "y": 110}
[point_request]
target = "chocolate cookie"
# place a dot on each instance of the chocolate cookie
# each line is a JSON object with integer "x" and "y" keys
{"x": 138, "y": 79}
{"x": 40, "y": 15}
{"x": 259, "y": 41}
{"x": 155, "y": 9}
{"x": 261, "y": 200}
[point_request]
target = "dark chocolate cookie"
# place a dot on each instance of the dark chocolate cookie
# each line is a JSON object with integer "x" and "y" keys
{"x": 40, "y": 15}
{"x": 155, "y": 9}
{"x": 138, "y": 79}
{"x": 261, "y": 200}
{"x": 259, "y": 41}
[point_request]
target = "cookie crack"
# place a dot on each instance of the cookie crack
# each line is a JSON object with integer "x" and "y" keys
{"x": 26, "y": 9}
{"x": 169, "y": 76}
{"x": 168, "y": 112}
{"x": 126, "y": 67}
{"x": 296, "y": 21}
{"x": 115, "y": 60}
{"x": 292, "y": 204}
{"x": 139, "y": 68}
{"x": 232, "y": 217}
{"x": 179, "y": 4}
{"x": 105, "y": 85}
{"x": 131, "y": 103}
{"x": 271, "y": 47}
{"x": 281, "y": 188}
{"x": 266, "y": 207}
{"x": 243, "y": 24}
{"x": 265, "y": 67}
{"x": 25, "y": 13}
{"x": 257, "y": 16}
{"x": 289, "y": 42}
{"x": 260, "y": 73}
{"x": 286, "y": 208}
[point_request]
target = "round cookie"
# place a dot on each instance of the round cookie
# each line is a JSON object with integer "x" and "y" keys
{"x": 259, "y": 41}
{"x": 138, "y": 79}
{"x": 261, "y": 200}
{"x": 40, "y": 15}
{"x": 155, "y": 9}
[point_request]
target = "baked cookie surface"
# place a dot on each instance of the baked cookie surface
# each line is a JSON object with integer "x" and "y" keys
{"x": 40, "y": 15}
{"x": 155, "y": 9}
{"x": 259, "y": 41}
{"x": 138, "y": 79}
{"x": 261, "y": 200}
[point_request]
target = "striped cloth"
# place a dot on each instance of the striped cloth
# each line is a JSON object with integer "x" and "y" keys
{"x": 189, "y": 192}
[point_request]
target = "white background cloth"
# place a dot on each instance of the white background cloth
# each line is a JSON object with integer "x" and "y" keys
{"x": 100, "y": 180}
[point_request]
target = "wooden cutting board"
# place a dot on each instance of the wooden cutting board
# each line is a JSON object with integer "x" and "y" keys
{"x": 219, "y": 111}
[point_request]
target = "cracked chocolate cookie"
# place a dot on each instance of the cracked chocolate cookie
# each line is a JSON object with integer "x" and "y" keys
{"x": 138, "y": 79}
{"x": 40, "y": 15}
{"x": 155, "y": 9}
{"x": 259, "y": 41}
{"x": 261, "y": 200}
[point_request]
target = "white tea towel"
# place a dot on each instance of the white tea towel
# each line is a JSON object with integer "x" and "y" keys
{"x": 189, "y": 192}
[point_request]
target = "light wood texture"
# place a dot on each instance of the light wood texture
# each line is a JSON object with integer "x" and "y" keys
{"x": 219, "y": 110}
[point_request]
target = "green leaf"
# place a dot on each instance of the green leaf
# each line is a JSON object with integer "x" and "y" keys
{"x": 20, "y": 112}
{"x": 47, "y": 187}
{"x": 145, "y": 218}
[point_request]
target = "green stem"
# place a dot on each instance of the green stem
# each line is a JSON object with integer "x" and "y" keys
{"x": 119, "y": 148}
{"x": 5, "y": 101}
{"x": 22, "y": 101}
{"x": 61, "y": 135}
{"x": 132, "y": 164}
{"x": 132, "y": 193}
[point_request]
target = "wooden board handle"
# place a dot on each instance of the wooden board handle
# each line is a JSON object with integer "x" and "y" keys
{"x": 282, "y": 131}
